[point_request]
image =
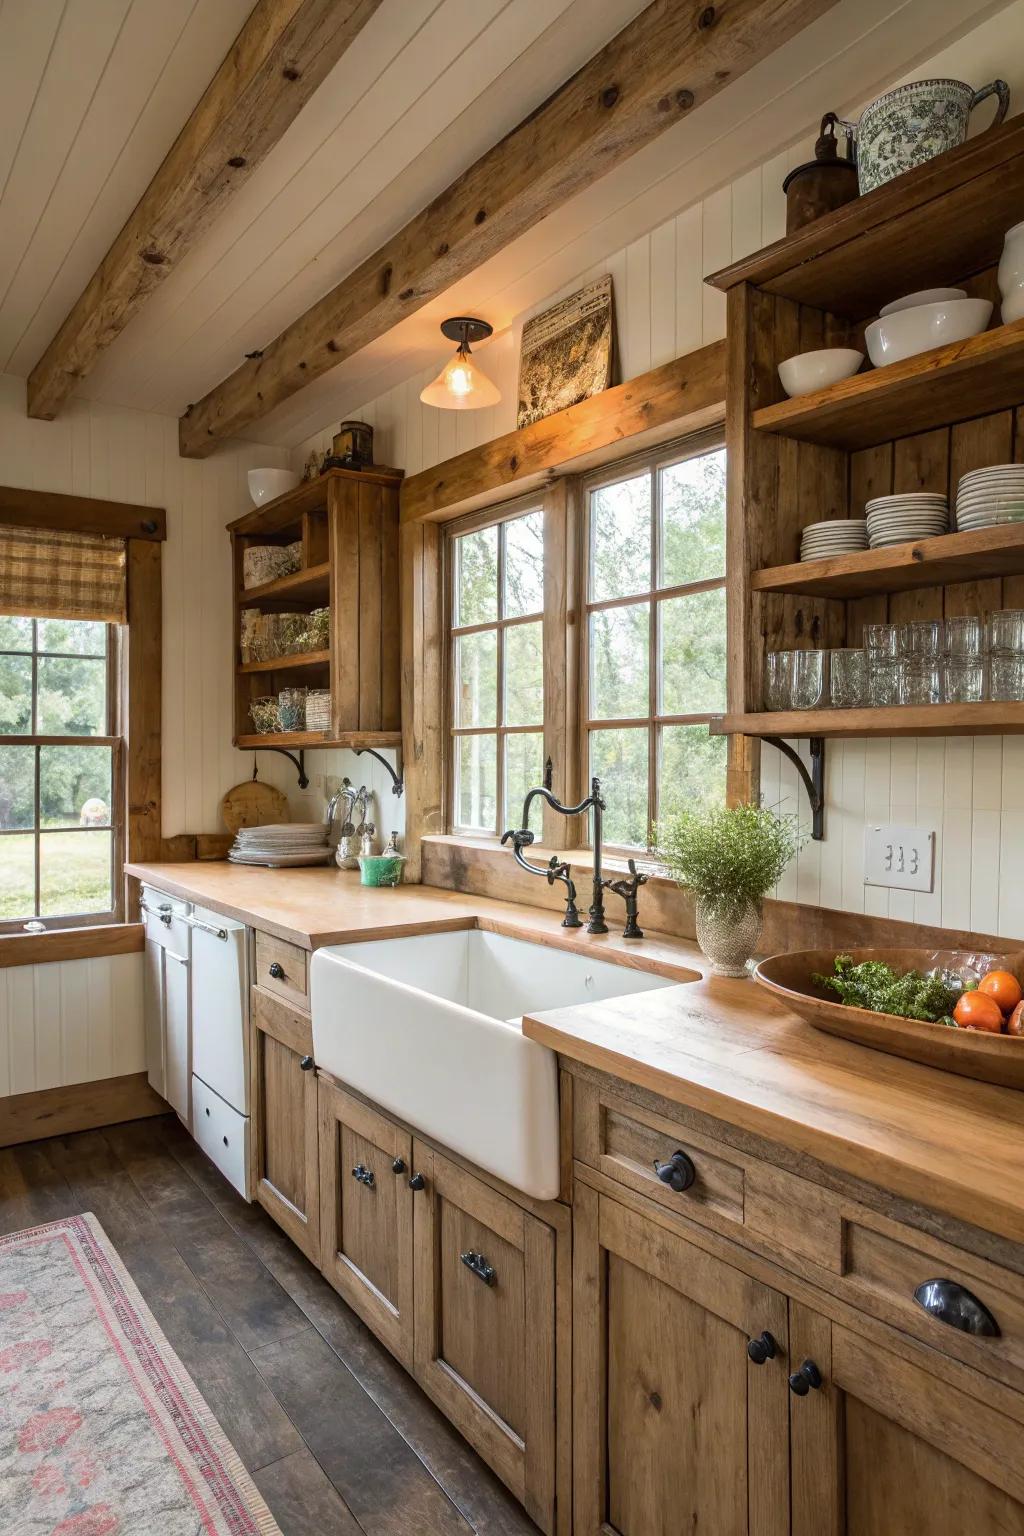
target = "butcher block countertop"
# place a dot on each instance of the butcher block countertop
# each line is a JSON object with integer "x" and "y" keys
{"x": 729, "y": 1049}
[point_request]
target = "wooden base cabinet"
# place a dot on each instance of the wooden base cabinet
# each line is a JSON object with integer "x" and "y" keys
{"x": 283, "y": 1096}
{"x": 485, "y": 1325}
{"x": 675, "y": 1427}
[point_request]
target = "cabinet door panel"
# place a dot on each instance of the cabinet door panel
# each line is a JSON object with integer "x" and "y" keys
{"x": 366, "y": 1221}
{"x": 284, "y": 1121}
{"x": 178, "y": 1054}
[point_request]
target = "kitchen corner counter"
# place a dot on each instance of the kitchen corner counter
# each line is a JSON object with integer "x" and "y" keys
{"x": 728, "y": 1049}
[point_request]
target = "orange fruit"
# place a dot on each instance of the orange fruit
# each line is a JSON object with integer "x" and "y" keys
{"x": 976, "y": 1010}
{"x": 1003, "y": 987}
{"x": 1015, "y": 1023}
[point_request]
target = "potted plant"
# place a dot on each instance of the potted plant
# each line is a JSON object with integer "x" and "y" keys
{"x": 729, "y": 859}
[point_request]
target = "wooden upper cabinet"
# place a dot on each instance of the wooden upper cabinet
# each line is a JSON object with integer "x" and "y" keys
{"x": 675, "y": 1427}
{"x": 284, "y": 1119}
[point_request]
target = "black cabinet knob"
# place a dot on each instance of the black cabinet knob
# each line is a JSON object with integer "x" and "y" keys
{"x": 417, "y": 1182}
{"x": 363, "y": 1175}
{"x": 678, "y": 1173}
{"x": 955, "y": 1306}
{"x": 306, "y": 1063}
{"x": 277, "y": 970}
{"x": 398, "y": 1166}
{"x": 805, "y": 1378}
{"x": 762, "y": 1348}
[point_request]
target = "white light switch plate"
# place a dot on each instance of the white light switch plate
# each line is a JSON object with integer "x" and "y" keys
{"x": 900, "y": 857}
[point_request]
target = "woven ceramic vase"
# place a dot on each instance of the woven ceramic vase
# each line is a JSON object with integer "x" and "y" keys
{"x": 727, "y": 936}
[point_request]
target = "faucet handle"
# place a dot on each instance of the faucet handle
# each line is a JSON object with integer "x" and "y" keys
{"x": 521, "y": 837}
{"x": 638, "y": 878}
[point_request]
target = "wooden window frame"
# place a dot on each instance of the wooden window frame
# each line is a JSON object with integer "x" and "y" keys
{"x": 476, "y": 522}
{"x": 692, "y": 446}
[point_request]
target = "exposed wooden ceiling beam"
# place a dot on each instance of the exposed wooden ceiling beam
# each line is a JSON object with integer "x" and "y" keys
{"x": 671, "y": 58}
{"x": 284, "y": 51}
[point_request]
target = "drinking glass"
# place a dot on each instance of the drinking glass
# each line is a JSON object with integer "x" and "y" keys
{"x": 881, "y": 640}
{"x": 1006, "y": 631}
{"x": 963, "y": 679}
{"x": 848, "y": 669}
{"x": 810, "y": 678}
{"x": 885, "y": 682}
{"x": 965, "y": 638}
{"x": 921, "y": 638}
{"x": 1006, "y": 678}
{"x": 922, "y": 681}
{"x": 778, "y": 686}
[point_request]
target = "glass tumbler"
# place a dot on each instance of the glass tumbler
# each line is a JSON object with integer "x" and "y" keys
{"x": 963, "y": 679}
{"x": 921, "y": 638}
{"x": 1006, "y": 678}
{"x": 1006, "y": 631}
{"x": 921, "y": 681}
{"x": 848, "y": 672}
{"x": 881, "y": 640}
{"x": 778, "y": 687}
{"x": 885, "y": 682}
{"x": 809, "y": 679}
{"x": 965, "y": 638}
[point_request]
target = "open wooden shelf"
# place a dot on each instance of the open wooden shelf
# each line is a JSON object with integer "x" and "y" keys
{"x": 287, "y": 663}
{"x": 985, "y": 373}
{"x": 350, "y": 739}
{"x": 309, "y": 586}
{"x": 288, "y": 510}
{"x": 902, "y": 720}
{"x": 953, "y": 557}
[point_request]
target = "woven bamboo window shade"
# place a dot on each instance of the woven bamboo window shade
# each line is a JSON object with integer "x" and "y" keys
{"x": 48, "y": 574}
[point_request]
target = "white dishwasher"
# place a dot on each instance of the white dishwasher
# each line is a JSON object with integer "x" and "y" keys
{"x": 166, "y": 999}
{"x": 220, "y": 1043}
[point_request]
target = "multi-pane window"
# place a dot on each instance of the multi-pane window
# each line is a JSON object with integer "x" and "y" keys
{"x": 58, "y": 766}
{"x": 497, "y": 713}
{"x": 656, "y": 639}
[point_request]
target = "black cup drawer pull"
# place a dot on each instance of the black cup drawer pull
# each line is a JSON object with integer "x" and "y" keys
{"x": 480, "y": 1267}
{"x": 363, "y": 1175}
{"x": 954, "y": 1305}
{"x": 805, "y": 1378}
{"x": 307, "y": 1063}
{"x": 277, "y": 970}
{"x": 678, "y": 1173}
{"x": 762, "y": 1348}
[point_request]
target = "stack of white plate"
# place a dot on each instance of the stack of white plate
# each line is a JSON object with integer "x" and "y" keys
{"x": 902, "y": 519}
{"x": 839, "y": 536}
{"x": 986, "y": 498}
{"x": 280, "y": 846}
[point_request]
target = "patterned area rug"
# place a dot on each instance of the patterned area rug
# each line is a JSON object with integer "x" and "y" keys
{"x": 102, "y": 1432}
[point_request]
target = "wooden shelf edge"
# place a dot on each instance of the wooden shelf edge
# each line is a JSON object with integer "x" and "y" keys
{"x": 308, "y": 496}
{"x": 318, "y": 739}
{"x": 988, "y": 719}
{"x": 286, "y": 663}
{"x": 286, "y": 586}
{"x": 951, "y": 557}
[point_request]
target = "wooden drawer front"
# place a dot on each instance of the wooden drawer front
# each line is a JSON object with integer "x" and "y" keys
{"x": 485, "y": 1325}
{"x": 883, "y": 1269}
{"x": 283, "y": 969}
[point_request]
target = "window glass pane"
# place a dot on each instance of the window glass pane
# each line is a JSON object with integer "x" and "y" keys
{"x": 619, "y": 759}
{"x": 74, "y": 873}
{"x": 524, "y": 565}
{"x": 72, "y": 697}
{"x": 620, "y": 642}
{"x": 620, "y": 538}
{"x": 524, "y": 674}
{"x": 17, "y": 876}
{"x": 693, "y": 519}
{"x": 15, "y": 695}
{"x": 693, "y": 653}
{"x": 17, "y": 791}
{"x": 692, "y": 769}
{"x": 476, "y": 679}
{"x": 74, "y": 786}
{"x": 476, "y": 577}
{"x": 524, "y": 769}
{"x": 15, "y": 634}
{"x": 77, "y": 636}
{"x": 476, "y": 762}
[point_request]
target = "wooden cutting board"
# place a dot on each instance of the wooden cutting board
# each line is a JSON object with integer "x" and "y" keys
{"x": 253, "y": 804}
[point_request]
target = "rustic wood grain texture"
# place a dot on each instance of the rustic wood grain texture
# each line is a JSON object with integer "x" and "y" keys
{"x": 563, "y": 625}
{"x": 283, "y": 53}
{"x": 291, "y": 959}
{"x": 141, "y": 707}
{"x": 76, "y": 1107}
{"x": 23, "y": 508}
{"x": 87, "y": 943}
{"x": 285, "y": 1126}
{"x": 987, "y": 719}
{"x": 422, "y": 688}
{"x": 667, "y": 60}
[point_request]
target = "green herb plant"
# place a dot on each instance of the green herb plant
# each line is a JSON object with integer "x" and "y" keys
{"x": 732, "y": 857}
{"x": 873, "y": 985}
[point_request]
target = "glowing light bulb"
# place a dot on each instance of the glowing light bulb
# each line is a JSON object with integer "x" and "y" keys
{"x": 461, "y": 385}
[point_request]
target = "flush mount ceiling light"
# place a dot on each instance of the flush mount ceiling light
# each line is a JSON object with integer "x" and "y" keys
{"x": 461, "y": 385}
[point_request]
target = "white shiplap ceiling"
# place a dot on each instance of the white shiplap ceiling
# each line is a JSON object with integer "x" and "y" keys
{"x": 93, "y": 93}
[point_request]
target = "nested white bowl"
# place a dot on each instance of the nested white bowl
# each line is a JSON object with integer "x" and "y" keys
{"x": 265, "y": 484}
{"x": 892, "y": 338}
{"x": 808, "y": 371}
{"x": 923, "y": 296}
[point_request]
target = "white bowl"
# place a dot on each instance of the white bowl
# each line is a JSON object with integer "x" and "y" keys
{"x": 923, "y": 296}
{"x": 808, "y": 371}
{"x": 892, "y": 338}
{"x": 265, "y": 484}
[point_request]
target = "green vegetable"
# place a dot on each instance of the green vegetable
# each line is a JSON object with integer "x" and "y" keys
{"x": 876, "y": 986}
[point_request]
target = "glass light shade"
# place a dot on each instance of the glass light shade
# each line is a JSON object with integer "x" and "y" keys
{"x": 461, "y": 386}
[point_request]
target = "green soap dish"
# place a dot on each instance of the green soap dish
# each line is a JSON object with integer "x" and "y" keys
{"x": 381, "y": 868}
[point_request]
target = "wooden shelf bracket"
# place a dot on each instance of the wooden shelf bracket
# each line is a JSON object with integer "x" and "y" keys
{"x": 814, "y": 782}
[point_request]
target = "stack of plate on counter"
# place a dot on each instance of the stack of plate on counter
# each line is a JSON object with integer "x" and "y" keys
{"x": 989, "y": 497}
{"x": 280, "y": 846}
{"x": 906, "y": 518}
{"x": 839, "y": 536}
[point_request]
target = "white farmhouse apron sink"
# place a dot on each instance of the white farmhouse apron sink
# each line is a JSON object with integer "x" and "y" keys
{"x": 430, "y": 1028}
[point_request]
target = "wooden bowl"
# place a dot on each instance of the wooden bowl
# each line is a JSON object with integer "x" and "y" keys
{"x": 971, "y": 1053}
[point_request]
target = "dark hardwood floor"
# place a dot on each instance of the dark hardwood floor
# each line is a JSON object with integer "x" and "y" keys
{"x": 337, "y": 1437}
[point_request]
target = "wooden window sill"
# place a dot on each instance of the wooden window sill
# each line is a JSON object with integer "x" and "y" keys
{"x": 86, "y": 943}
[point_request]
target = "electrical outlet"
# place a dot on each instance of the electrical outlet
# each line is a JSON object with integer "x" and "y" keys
{"x": 902, "y": 858}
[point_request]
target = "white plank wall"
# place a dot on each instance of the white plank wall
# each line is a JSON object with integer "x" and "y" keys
{"x": 71, "y": 1022}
